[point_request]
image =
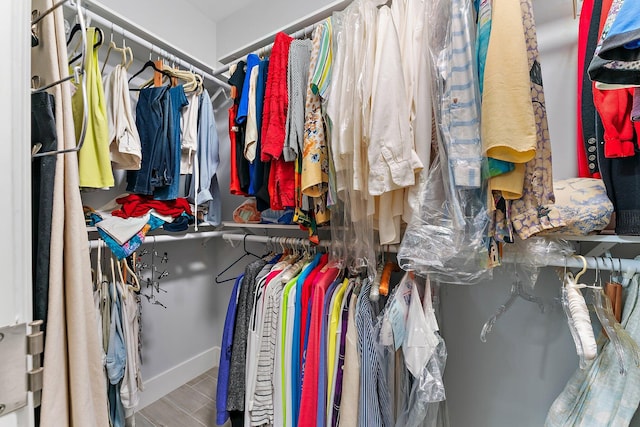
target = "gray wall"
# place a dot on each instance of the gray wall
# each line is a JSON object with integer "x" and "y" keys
{"x": 261, "y": 18}
{"x": 178, "y": 23}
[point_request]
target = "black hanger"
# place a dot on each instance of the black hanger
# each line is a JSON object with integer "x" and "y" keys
{"x": 245, "y": 254}
{"x": 73, "y": 32}
{"x": 144, "y": 67}
{"x": 95, "y": 45}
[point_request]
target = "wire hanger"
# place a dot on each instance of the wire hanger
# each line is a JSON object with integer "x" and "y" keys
{"x": 517, "y": 291}
{"x": 219, "y": 279}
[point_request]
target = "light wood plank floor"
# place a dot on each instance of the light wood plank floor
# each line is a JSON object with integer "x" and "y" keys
{"x": 192, "y": 405}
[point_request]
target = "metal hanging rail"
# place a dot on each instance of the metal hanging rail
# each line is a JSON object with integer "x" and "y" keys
{"x": 166, "y": 238}
{"x": 110, "y": 19}
{"x": 296, "y": 241}
{"x": 601, "y": 263}
{"x": 298, "y": 29}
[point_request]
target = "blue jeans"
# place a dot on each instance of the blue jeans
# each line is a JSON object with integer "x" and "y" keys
{"x": 116, "y": 361}
{"x": 152, "y": 121}
{"x": 171, "y": 184}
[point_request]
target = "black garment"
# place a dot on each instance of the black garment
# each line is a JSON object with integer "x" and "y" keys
{"x": 242, "y": 164}
{"x": 43, "y": 131}
{"x": 588, "y": 108}
{"x": 262, "y": 169}
{"x": 621, "y": 178}
{"x": 237, "y": 418}
{"x": 237, "y": 80}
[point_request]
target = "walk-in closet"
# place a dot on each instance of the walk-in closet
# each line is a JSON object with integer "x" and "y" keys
{"x": 349, "y": 213}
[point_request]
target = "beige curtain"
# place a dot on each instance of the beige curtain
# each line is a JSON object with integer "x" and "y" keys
{"x": 74, "y": 391}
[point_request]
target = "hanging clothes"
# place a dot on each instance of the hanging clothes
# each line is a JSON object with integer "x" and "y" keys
{"x": 589, "y": 135}
{"x": 599, "y": 395}
{"x": 189, "y": 133}
{"x": 43, "y": 132}
{"x": 529, "y": 215}
{"x": 72, "y": 350}
{"x": 94, "y": 161}
{"x": 281, "y": 186}
{"x": 311, "y": 378}
{"x": 507, "y": 93}
{"x": 124, "y": 141}
{"x": 168, "y": 183}
{"x": 239, "y": 184}
{"x": 203, "y": 186}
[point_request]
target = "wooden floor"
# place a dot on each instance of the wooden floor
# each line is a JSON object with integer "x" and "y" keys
{"x": 192, "y": 405}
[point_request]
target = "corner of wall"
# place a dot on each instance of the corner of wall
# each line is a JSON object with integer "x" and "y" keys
{"x": 159, "y": 386}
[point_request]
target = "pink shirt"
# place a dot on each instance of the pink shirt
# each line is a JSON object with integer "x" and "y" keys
{"x": 309, "y": 399}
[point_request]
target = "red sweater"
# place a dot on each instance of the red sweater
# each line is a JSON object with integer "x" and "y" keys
{"x": 276, "y": 100}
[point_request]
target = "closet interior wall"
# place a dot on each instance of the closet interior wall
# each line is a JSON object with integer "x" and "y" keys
{"x": 510, "y": 380}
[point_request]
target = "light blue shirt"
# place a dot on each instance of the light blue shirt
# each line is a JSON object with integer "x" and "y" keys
{"x": 208, "y": 159}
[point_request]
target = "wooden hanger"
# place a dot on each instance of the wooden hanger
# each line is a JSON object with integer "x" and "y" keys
{"x": 385, "y": 278}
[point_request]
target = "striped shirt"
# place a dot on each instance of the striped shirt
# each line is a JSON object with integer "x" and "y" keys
{"x": 460, "y": 106}
{"x": 262, "y": 409}
{"x": 375, "y": 405}
{"x": 321, "y": 75}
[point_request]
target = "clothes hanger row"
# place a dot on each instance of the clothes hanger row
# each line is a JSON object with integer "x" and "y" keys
{"x": 127, "y": 53}
{"x": 579, "y": 321}
{"x": 193, "y": 82}
{"x": 78, "y": 75}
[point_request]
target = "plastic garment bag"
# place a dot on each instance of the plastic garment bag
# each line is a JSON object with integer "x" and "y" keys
{"x": 599, "y": 395}
{"x": 446, "y": 239}
{"x": 417, "y": 371}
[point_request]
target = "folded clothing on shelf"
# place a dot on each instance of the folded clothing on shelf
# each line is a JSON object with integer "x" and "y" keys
{"x": 135, "y": 205}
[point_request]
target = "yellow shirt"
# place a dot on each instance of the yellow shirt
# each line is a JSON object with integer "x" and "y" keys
{"x": 508, "y": 123}
{"x": 94, "y": 159}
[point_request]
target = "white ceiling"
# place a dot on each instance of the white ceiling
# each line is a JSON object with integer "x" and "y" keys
{"x": 217, "y": 10}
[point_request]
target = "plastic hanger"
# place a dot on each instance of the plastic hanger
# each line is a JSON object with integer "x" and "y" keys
{"x": 96, "y": 44}
{"x": 134, "y": 278}
{"x": 517, "y": 291}
{"x": 124, "y": 50}
{"x": 578, "y": 318}
{"x": 246, "y": 253}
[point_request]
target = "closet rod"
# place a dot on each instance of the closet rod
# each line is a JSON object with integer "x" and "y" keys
{"x": 164, "y": 238}
{"x": 298, "y": 29}
{"x": 291, "y": 240}
{"x": 131, "y": 32}
{"x": 593, "y": 263}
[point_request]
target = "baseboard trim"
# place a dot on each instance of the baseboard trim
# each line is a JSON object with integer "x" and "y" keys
{"x": 160, "y": 385}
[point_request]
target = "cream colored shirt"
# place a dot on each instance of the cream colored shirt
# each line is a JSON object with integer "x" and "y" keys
{"x": 189, "y": 131}
{"x": 251, "y": 134}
